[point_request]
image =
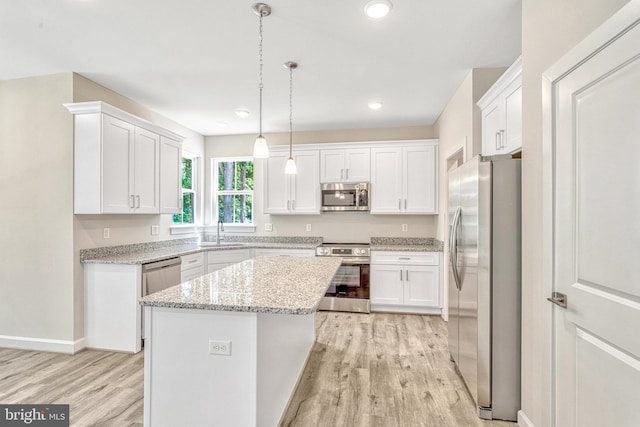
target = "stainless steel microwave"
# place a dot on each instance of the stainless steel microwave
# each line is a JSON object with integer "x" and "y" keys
{"x": 345, "y": 197}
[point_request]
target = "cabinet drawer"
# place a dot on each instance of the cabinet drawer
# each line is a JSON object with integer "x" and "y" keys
{"x": 405, "y": 258}
{"x": 228, "y": 256}
{"x": 192, "y": 273}
{"x": 193, "y": 260}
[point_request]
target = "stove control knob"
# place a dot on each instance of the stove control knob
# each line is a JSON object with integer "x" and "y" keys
{"x": 323, "y": 251}
{"x": 356, "y": 251}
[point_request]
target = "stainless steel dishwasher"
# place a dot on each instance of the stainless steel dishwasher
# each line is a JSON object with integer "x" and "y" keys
{"x": 160, "y": 275}
{"x": 157, "y": 276}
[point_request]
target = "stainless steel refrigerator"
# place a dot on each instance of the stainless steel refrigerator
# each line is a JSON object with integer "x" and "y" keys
{"x": 485, "y": 282}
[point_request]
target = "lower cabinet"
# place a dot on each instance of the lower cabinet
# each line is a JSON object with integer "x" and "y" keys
{"x": 217, "y": 260}
{"x": 192, "y": 266}
{"x": 406, "y": 282}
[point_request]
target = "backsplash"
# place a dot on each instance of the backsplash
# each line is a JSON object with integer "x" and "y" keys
{"x": 274, "y": 239}
{"x": 426, "y": 241}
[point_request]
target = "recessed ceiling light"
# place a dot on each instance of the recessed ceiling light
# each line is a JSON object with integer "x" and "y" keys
{"x": 221, "y": 124}
{"x": 377, "y": 9}
{"x": 375, "y": 105}
{"x": 242, "y": 113}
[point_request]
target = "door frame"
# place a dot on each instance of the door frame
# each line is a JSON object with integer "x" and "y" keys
{"x": 618, "y": 24}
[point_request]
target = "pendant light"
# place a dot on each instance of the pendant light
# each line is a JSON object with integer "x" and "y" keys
{"x": 260, "y": 148}
{"x": 290, "y": 167}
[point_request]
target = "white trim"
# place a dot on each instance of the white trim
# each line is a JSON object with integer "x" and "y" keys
{"x": 523, "y": 420}
{"x": 359, "y": 144}
{"x": 385, "y": 308}
{"x": 509, "y": 76}
{"x": 93, "y": 107}
{"x": 42, "y": 344}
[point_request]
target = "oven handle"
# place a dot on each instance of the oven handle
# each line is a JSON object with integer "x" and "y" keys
{"x": 355, "y": 261}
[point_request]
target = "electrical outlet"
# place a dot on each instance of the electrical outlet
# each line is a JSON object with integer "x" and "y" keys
{"x": 222, "y": 348}
{"x": 405, "y": 227}
{"x": 106, "y": 233}
{"x": 154, "y": 230}
{"x": 308, "y": 227}
{"x": 268, "y": 226}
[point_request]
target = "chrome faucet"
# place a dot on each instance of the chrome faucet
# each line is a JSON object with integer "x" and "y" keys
{"x": 220, "y": 228}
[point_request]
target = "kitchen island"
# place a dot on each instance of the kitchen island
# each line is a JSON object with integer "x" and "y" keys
{"x": 227, "y": 348}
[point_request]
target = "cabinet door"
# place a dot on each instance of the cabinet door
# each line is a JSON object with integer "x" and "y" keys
{"x": 422, "y": 286}
{"x": 146, "y": 171}
{"x": 170, "y": 179}
{"x": 357, "y": 165}
{"x": 492, "y": 128}
{"x": 276, "y": 186}
{"x": 386, "y": 284}
{"x": 386, "y": 180}
{"x": 305, "y": 191}
{"x": 513, "y": 118}
{"x": 117, "y": 165}
{"x": 419, "y": 179}
{"x": 331, "y": 165}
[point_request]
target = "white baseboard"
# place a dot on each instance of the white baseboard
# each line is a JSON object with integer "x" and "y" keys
{"x": 523, "y": 420}
{"x": 42, "y": 344}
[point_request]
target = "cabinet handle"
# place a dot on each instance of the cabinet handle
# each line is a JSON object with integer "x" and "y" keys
{"x": 347, "y": 176}
{"x": 399, "y": 204}
{"x": 502, "y": 139}
{"x": 138, "y": 199}
{"x": 293, "y": 205}
{"x": 191, "y": 261}
{"x": 133, "y": 203}
{"x": 401, "y": 275}
{"x": 498, "y": 143}
{"x": 341, "y": 174}
{"x": 407, "y": 274}
{"x": 405, "y": 204}
{"x": 288, "y": 204}
{"x": 405, "y": 258}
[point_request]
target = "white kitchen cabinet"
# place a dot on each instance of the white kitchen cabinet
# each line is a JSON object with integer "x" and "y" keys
{"x": 345, "y": 165}
{"x": 170, "y": 176}
{"x": 116, "y": 161}
{"x": 406, "y": 282}
{"x": 404, "y": 178}
{"x": 284, "y": 252}
{"x": 502, "y": 113}
{"x": 219, "y": 259}
{"x": 292, "y": 194}
{"x": 192, "y": 266}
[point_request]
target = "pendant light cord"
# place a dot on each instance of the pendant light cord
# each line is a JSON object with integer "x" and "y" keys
{"x": 260, "y": 84}
{"x": 290, "y": 112}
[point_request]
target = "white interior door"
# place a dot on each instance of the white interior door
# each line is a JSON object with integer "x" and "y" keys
{"x": 596, "y": 230}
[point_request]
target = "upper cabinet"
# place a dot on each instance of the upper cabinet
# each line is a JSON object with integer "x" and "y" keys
{"x": 297, "y": 194}
{"x": 345, "y": 165}
{"x": 117, "y": 162}
{"x": 404, "y": 178}
{"x": 502, "y": 113}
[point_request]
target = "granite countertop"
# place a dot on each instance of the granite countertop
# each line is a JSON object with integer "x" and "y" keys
{"x": 144, "y": 253}
{"x": 406, "y": 244}
{"x": 279, "y": 285}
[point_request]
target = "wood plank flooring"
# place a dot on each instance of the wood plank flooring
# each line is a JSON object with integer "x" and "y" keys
{"x": 377, "y": 370}
{"x": 386, "y": 370}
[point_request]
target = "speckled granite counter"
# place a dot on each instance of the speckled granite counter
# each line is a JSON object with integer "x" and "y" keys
{"x": 408, "y": 244}
{"x": 280, "y": 285}
{"x": 143, "y": 253}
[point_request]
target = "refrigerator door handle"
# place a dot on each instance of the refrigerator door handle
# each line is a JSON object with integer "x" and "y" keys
{"x": 453, "y": 247}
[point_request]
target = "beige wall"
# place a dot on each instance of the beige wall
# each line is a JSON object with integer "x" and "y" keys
{"x": 333, "y": 227}
{"x": 36, "y": 183}
{"x": 550, "y": 29}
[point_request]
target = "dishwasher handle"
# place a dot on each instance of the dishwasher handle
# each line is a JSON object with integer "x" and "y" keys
{"x": 160, "y": 264}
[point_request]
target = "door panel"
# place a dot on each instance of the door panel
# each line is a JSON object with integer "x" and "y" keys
{"x": 146, "y": 173}
{"x": 596, "y": 235}
{"x": 386, "y": 284}
{"x": 421, "y": 286}
{"x": 419, "y": 179}
{"x": 305, "y": 196}
{"x": 386, "y": 180}
{"x": 117, "y": 165}
{"x": 276, "y": 186}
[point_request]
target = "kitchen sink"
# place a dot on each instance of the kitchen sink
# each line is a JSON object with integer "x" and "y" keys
{"x": 222, "y": 244}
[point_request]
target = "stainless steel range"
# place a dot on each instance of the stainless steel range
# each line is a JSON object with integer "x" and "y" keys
{"x": 349, "y": 290}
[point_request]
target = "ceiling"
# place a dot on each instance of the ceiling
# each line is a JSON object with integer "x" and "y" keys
{"x": 196, "y": 61}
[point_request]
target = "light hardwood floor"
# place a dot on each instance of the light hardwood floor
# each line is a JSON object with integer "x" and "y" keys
{"x": 384, "y": 370}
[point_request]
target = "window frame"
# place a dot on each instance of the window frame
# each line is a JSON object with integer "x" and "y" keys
{"x": 215, "y": 193}
{"x": 194, "y": 190}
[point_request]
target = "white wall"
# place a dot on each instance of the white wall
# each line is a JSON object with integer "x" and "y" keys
{"x": 550, "y": 29}
{"x": 333, "y": 227}
{"x": 36, "y": 212}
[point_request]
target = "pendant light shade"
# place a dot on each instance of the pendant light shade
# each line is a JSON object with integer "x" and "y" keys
{"x": 290, "y": 168}
{"x": 260, "y": 147}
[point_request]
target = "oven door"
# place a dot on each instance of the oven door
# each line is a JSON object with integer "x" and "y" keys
{"x": 349, "y": 289}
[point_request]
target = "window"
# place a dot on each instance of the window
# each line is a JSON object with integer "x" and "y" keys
{"x": 233, "y": 190}
{"x": 188, "y": 192}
